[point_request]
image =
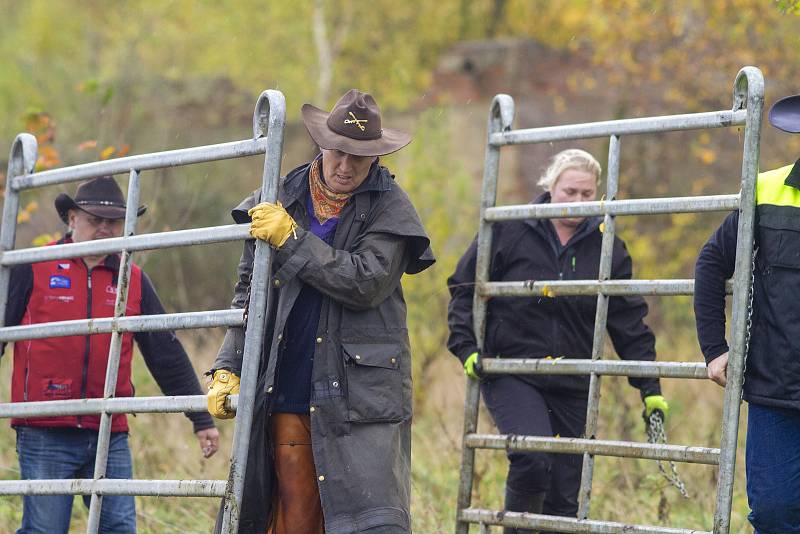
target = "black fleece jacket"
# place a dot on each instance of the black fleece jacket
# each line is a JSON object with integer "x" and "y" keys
{"x": 558, "y": 327}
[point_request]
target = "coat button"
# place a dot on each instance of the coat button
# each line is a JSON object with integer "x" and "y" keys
{"x": 276, "y": 283}
{"x": 321, "y": 478}
{"x": 358, "y": 357}
{"x": 319, "y": 340}
{"x": 269, "y": 389}
{"x": 312, "y": 409}
{"x": 280, "y": 336}
{"x": 394, "y": 360}
{"x": 335, "y": 384}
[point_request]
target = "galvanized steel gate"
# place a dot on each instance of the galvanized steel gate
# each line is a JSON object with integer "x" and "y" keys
{"x": 268, "y": 132}
{"x": 748, "y": 100}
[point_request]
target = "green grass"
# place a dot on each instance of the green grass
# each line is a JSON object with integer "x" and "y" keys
{"x": 630, "y": 491}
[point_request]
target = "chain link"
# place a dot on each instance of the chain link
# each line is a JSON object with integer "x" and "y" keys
{"x": 656, "y": 433}
{"x": 749, "y": 322}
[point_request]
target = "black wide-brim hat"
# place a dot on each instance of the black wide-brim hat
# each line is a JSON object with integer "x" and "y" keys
{"x": 353, "y": 126}
{"x": 785, "y": 114}
{"x": 100, "y": 197}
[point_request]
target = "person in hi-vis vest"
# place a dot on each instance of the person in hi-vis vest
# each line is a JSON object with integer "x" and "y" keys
{"x": 772, "y": 366}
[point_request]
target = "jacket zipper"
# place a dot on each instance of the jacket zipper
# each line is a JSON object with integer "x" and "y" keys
{"x": 27, "y": 373}
{"x": 85, "y": 373}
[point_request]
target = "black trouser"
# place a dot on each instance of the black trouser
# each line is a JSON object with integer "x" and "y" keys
{"x": 520, "y": 408}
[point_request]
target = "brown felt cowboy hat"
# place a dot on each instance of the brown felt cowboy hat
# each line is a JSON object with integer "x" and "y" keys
{"x": 100, "y": 197}
{"x": 353, "y": 126}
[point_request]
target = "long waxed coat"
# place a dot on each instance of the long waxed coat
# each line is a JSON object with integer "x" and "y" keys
{"x": 361, "y": 378}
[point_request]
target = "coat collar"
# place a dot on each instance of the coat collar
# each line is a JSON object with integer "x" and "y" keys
{"x": 793, "y": 179}
{"x": 295, "y": 185}
{"x": 589, "y": 225}
{"x": 111, "y": 261}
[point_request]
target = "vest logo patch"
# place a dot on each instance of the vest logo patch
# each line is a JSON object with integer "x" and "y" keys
{"x": 64, "y": 266}
{"x": 59, "y": 298}
{"x": 60, "y": 282}
{"x": 57, "y": 388}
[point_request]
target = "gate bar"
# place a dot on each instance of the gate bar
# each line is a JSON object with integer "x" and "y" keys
{"x": 564, "y": 524}
{"x": 568, "y": 366}
{"x": 115, "y": 486}
{"x": 113, "y": 245}
{"x": 624, "y": 449}
{"x": 114, "y": 351}
{"x": 165, "y": 404}
{"x": 21, "y": 159}
{"x": 638, "y": 206}
{"x": 501, "y": 115}
{"x": 141, "y": 162}
{"x": 600, "y": 323}
{"x": 137, "y": 323}
{"x": 532, "y": 288}
{"x": 669, "y": 123}
{"x": 269, "y": 120}
{"x": 748, "y": 94}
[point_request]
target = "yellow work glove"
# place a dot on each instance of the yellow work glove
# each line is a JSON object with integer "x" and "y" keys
{"x": 471, "y": 367}
{"x": 653, "y": 403}
{"x": 271, "y": 223}
{"x": 223, "y": 383}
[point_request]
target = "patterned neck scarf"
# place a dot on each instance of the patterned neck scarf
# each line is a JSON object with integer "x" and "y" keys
{"x": 327, "y": 204}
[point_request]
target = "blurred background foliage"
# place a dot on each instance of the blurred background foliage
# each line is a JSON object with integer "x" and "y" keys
{"x": 96, "y": 80}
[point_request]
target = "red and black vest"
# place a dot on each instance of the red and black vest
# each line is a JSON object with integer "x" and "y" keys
{"x": 73, "y": 367}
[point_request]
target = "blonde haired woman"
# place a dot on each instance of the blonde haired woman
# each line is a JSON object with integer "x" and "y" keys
{"x": 542, "y": 405}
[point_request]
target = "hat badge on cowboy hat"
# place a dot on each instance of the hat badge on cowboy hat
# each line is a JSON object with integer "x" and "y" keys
{"x": 785, "y": 114}
{"x": 353, "y": 126}
{"x": 100, "y": 197}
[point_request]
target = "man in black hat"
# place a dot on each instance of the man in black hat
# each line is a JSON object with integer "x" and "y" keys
{"x": 74, "y": 367}
{"x": 772, "y": 366}
{"x": 330, "y": 448}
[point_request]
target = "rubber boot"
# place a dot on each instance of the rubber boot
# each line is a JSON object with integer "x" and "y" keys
{"x": 521, "y": 502}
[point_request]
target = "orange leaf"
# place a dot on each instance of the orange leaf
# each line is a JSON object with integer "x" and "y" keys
{"x": 48, "y": 158}
{"x": 123, "y": 151}
{"x": 107, "y": 151}
{"x": 23, "y": 217}
{"x": 86, "y": 145}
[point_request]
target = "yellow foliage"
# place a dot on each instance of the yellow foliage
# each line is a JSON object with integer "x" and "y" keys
{"x": 43, "y": 239}
{"x": 107, "y": 152}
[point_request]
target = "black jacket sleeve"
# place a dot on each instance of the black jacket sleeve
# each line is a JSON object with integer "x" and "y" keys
{"x": 461, "y": 285}
{"x": 19, "y": 293}
{"x": 632, "y": 338}
{"x": 167, "y": 360}
{"x": 715, "y": 264}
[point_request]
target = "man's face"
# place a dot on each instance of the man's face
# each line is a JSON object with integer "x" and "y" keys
{"x": 344, "y": 172}
{"x": 574, "y": 185}
{"x": 87, "y": 227}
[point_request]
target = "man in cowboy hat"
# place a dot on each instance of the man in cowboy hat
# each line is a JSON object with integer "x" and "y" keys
{"x": 772, "y": 370}
{"x": 331, "y": 435}
{"x": 74, "y": 367}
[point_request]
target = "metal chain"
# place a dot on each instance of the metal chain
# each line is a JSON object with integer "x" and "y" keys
{"x": 656, "y": 433}
{"x": 749, "y": 322}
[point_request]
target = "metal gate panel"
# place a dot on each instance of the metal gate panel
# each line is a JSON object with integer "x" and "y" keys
{"x": 748, "y": 100}
{"x": 268, "y": 132}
